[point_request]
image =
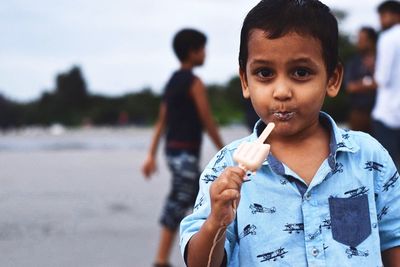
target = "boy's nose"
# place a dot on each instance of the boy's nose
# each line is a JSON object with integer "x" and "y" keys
{"x": 282, "y": 90}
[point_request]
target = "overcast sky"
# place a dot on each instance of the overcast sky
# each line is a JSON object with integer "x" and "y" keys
{"x": 124, "y": 45}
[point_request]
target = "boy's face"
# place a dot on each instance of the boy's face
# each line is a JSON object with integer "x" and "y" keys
{"x": 198, "y": 56}
{"x": 286, "y": 80}
{"x": 388, "y": 19}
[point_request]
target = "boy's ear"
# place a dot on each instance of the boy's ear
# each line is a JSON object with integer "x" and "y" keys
{"x": 243, "y": 81}
{"x": 335, "y": 81}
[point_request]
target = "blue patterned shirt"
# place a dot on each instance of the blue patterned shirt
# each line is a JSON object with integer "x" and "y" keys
{"x": 346, "y": 216}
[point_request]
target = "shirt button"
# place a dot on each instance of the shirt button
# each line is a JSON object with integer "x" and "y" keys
{"x": 315, "y": 252}
{"x": 307, "y": 196}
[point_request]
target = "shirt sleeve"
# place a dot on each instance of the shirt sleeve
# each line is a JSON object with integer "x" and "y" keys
{"x": 192, "y": 223}
{"x": 386, "y": 54}
{"x": 388, "y": 205}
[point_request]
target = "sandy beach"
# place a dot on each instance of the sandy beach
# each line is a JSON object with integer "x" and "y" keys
{"x": 77, "y": 197}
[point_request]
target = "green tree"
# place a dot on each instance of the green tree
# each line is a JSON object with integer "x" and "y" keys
{"x": 10, "y": 113}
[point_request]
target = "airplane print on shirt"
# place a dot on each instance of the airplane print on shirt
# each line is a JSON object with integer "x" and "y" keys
{"x": 345, "y": 136}
{"x": 200, "y": 203}
{"x": 373, "y": 166}
{"x": 326, "y": 223}
{"x": 383, "y": 212}
{"x": 352, "y": 251}
{"x": 391, "y": 182}
{"x": 250, "y": 229}
{"x": 273, "y": 255}
{"x": 220, "y": 156}
{"x": 294, "y": 228}
{"x": 338, "y": 168}
{"x": 356, "y": 192}
{"x": 209, "y": 178}
{"x": 315, "y": 234}
{"x": 283, "y": 181}
{"x": 299, "y": 227}
{"x": 219, "y": 169}
{"x": 257, "y": 208}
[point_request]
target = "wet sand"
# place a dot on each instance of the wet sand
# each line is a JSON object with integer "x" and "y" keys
{"x": 84, "y": 206}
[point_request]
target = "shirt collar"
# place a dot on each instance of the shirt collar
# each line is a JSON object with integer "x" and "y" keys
{"x": 340, "y": 141}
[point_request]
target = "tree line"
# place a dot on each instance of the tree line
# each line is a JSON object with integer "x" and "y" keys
{"x": 71, "y": 104}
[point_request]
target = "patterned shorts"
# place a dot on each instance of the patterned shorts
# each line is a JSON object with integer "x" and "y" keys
{"x": 184, "y": 188}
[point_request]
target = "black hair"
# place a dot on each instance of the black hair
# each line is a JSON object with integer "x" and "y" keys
{"x": 371, "y": 33}
{"x": 389, "y": 6}
{"x": 186, "y": 40}
{"x": 306, "y": 17}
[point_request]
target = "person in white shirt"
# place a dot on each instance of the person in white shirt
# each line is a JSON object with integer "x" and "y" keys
{"x": 386, "y": 112}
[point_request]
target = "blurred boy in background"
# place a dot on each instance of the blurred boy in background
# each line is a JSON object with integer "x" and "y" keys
{"x": 386, "y": 113}
{"x": 184, "y": 113}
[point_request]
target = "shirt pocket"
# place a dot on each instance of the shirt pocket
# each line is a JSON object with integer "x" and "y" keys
{"x": 350, "y": 219}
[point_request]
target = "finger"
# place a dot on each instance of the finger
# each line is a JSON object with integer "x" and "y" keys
{"x": 226, "y": 194}
{"x": 235, "y": 170}
{"x": 229, "y": 180}
{"x": 229, "y": 195}
{"x": 239, "y": 174}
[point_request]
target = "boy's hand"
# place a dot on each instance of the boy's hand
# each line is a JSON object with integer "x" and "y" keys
{"x": 225, "y": 191}
{"x": 149, "y": 166}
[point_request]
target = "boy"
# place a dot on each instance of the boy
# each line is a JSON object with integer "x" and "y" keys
{"x": 184, "y": 111}
{"x": 386, "y": 112}
{"x": 323, "y": 196}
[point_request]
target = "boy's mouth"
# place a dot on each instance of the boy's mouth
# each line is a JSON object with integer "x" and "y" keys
{"x": 283, "y": 115}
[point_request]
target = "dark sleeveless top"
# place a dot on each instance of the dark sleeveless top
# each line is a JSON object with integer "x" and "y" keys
{"x": 183, "y": 125}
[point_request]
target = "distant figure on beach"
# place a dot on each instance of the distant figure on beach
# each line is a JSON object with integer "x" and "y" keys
{"x": 359, "y": 81}
{"x": 184, "y": 113}
{"x": 386, "y": 113}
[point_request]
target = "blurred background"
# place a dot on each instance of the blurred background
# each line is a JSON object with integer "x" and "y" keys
{"x": 80, "y": 85}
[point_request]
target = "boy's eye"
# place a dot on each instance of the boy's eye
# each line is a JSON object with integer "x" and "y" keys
{"x": 301, "y": 73}
{"x": 264, "y": 73}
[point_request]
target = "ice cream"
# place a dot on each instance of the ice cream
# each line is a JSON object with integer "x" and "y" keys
{"x": 250, "y": 155}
